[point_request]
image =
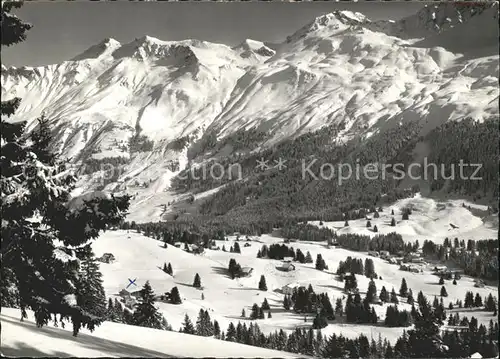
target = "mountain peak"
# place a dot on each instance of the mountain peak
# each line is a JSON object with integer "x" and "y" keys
{"x": 249, "y": 47}
{"x": 435, "y": 18}
{"x": 336, "y": 20}
{"x": 106, "y": 46}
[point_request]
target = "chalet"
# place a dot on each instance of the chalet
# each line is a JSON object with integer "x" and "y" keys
{"x": 247, "y": 245}
{"x": 384, "y": 254}
{"x": 197, "y": 249}
{"x": 107, "y": 258}
{"x": 392, "y": 260}
{"x": 129, "y": 302}
{"x": 246, "y": 271}
{"x": 286, "y": 266}
{"x": 417, "y": 260}
{"x": 136, "y": 294}
{"x": 290, "y": 288}
{"x": 478, "y": 283}
{"x": 287, "y": 259}
{"x": 439, "y": 268}
{"x": 410, "y": 268}
{"x": 373, "y": 253}
{"x": 165, "y": 297}
{"x": 127, "y": 299}
{"x": 124, "y": 293}
{"x": 178, "y": 244}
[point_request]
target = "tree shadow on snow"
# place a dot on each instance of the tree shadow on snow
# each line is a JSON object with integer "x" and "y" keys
{"x": 222, "y": 271}
{"x": 107, "y": 347}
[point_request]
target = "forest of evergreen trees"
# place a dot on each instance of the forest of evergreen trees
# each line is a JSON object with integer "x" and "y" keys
{"x": 423, "y": 341}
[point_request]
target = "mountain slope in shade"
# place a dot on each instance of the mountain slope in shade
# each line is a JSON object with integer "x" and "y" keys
{"x": 341, "y": 69}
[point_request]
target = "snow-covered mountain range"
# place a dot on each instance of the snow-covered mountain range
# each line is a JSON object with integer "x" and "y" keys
{"x": 438, "y": 65}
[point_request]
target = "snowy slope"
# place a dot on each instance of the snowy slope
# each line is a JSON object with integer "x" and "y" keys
{"x": 24, "y": 339}
{"x": 342, "y": 68}
{"x": 430, "y": 219}
{"x": 140, "y": 258}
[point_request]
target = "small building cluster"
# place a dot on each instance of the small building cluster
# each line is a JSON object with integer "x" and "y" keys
{"x": 246, "y": 271}
{"x": 444, "y": 272}
{"x": 107, "y": 258}
{"x": 290, "y": 288}
{"x": 410, "y": 268}
{"x": 129, "y": 299}
{"x": 286, "y": 265}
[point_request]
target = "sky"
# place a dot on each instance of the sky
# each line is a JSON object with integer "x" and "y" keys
{"x": 62, "y": 30}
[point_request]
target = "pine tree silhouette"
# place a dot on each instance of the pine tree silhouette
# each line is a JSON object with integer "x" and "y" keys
{"x": 90, "y": 294}
{"x": 187, "y": 326}
{"x": 197, "y": 281}
{"x": 262, "y": 283}
{"x": 146, "y": 314}
{"x": 175, "y": 296}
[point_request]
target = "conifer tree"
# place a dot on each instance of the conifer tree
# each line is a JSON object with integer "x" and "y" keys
{"x": 393, "y": 222}
{"x": 320, "y": 320}
{"x": 338, "y": 307}
{"x": 255, "y": 311}
{"x": 169, "y": 270}
{"x": 286, "y": 302}
{"x": 478, "y": 301}
{"x": 187, "y": 325}
{"x": 441, "y": 281}
{"x": 351, "y": 283}
{"x": 236, "y": 248}
{"x": 175, "y": 296}
{"x": 308, "y": 258}
{"x": 243, "y": 314}
{"x": 265, "y": 305}
{"x": 320, "y": 263}
{"x": 204, "y": 325}
{"x": 262, "y": 283}
{"x": 216, "y": 329}
{"x": 197, "y": 281}
{"x": 231, "y": 333}
{"x": 261, "y": 313}
{"x": 368, "y": 224}
{"x": 118, "y": 308}
{"x": 384, "y": 296}
{"x": 90, "y": 294}
{"x": 369, "y": 269}
{"x": 375, "y": 228}
{"x": 394, "y": 297}
{"x": 409, "y": 298}
{"x": 443, "y": 293}
{"x": 146, "y": 314}
{"x": 490, "y": 303}
{"x": 403, "y": 290}
{"x": 269, "y": 314}
{"x": 371, "y": 294}
{"x": 111, "y": 310}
